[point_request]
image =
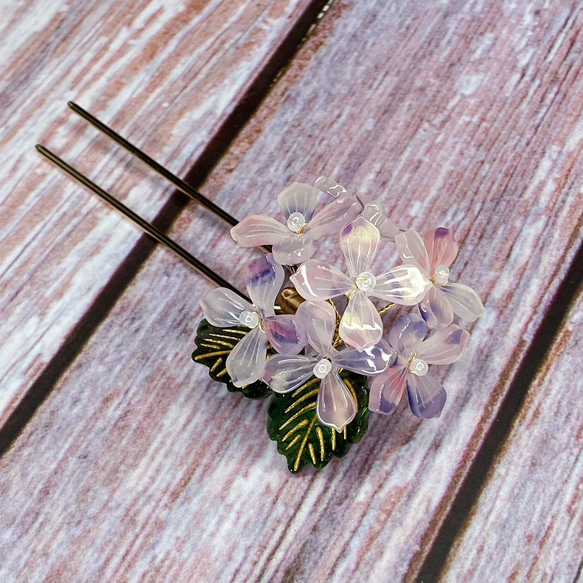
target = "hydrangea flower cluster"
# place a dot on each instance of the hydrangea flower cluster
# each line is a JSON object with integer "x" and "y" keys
{"x": 336, "y": 322}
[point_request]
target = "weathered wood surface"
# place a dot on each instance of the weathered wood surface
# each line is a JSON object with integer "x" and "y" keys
{"x": 165, "y": 74}
{"x": 137, "y": 468}
{"x": 531, "y": 505}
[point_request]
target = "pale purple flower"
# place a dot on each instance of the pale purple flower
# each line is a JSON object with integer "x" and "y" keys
{"x": 433, "y": 257}
{"x": 336, "y": 406}
{"x": 223, "y": 308}
{"x": 361, "y": 324}
{"x": 292, "y": 242}
{"x": 411, "y": 368}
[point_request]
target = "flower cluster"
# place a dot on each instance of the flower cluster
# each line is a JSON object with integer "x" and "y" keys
{"x": 338, "y": 325}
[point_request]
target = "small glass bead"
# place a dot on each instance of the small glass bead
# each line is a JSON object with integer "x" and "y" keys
{"x": 249, "y": 319}
{"x": 322, "y": 368}
{"x": 366, "y": 281}
{"x": 441, "y": 276}
{"x": 296, "y": 222}
{"x": 418, "y": 367}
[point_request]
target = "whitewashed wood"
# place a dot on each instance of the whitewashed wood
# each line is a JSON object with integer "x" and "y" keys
{"x": 139, "y": 469}
{"x": 165, "y": 74}
{"x": 528, "y": 523}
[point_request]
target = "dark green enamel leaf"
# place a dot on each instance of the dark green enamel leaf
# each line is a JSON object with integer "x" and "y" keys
{"x": 214, "y": 346}
{"x": 300, "y": 436}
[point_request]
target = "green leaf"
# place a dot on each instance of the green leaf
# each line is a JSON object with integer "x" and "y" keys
{"x": 214, "y": 346}
{"x": 300, "y": 436}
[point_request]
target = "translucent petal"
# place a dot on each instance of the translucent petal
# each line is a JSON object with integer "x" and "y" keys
{"x": 285, "y": 333}
{"x": 319, "y": 281}
{"x": 373, "y": 212}
{"x": 287, "y": 373}
{"x": 361, "y": 325}
{"x": 295, "y": 249}
{"x": 319, "y": 322}
{"x": 436, "y": 309}
{"x": 412, "y": 251}
{"x": 441, "y": 248}
{"x": 371, "y": 361}
{"x": 407, "y": 334}
{"x": 264, "y": 278}
{"x": 222, "y": 307}
{"x": 246, "y": 363}
{"x": 387, "y": 389}
{"x": 298, "y": 198}
{"x": 444, "y": 346}
{"x": 330, "y": 186}
{"x": 333, "y": 217}
{"x": 404, "y": 285}
{"x": 359, "y": 242}
{"x": 258, "y": 230}
{"x": 426, "y": 396}
{"x": 336, "y": 405}
{"x": 464, "y": 301}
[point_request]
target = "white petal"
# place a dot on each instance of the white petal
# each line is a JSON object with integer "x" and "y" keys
{"x": 373, "y": 212}
{"x": 332, "y": 218}
{"x": 258, "y": 230}
{"x": 246, "y": 363}
{"x": 285, "y": 333}
{"x": 298, "y": 198}
{"x": 318, "y": 281}
{"x": 361, "y": 325}
{"x": 319, "y": 322}
{"x": 222, "y": 307}
{"x": 436, "y": 309}
{"x": 387, "y": 389}
{"x": 444, "y": 346}
{"x": 359, "y": 242}
{"x": 287, "y": 373}
{"x": 371, "y": 361}
{"x": 407, "y": 334}
{"x": 264, "y": 278}
{"x": 426, "y": 396}
{"x": 336, "y": 405}
{"x": 404, "y": 285}
{"x": 464, "y": 301}
{"x": 294, "y": 250}
{"x": 412, "y": 251}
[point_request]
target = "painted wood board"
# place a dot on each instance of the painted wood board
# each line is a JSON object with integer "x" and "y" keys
{"x": 166, "y": 75}
{"x": 138, "y": 468}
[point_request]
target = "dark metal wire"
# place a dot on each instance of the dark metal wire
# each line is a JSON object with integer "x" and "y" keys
{"x": 139, "y": 221}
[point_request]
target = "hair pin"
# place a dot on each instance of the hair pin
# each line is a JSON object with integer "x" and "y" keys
{"x": 310, "y": 336}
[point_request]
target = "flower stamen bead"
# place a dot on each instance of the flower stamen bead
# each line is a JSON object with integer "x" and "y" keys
{"x": 365, "y": 281}
{"x": 322, "y": 368}
{"x": 296, "y": 222}
{"x": 249, "y": 319}
{"x": 418, "y": 366}
{"x": 441, "y": 276}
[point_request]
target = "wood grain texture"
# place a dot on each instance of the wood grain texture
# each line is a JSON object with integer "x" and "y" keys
{"x": 139, "y": 469}
{"x": 531, "y": 505}
{"x": 182, "y": 66}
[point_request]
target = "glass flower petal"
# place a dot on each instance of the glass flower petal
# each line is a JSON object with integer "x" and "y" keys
{"x": 258, "y": 230}
{"x": 444, "y": 346}
{"x": 373, "y": 212}
{"x": 264, "y": 278}
{"x": 287, "y": 373}
{"x": 361, "y": 325}
{"x": 442, "y": 248}
{"x": 298, "y": 198}
{"x": 222, "y": 307}
{"x": 293, "y": 250}
{"x": 404, "y": 285}
{"x": 318, "y": 281}
{"x": 387, "y": 389}
{"x": 285, "y": 333}
{"x": 412, "y": 251}
{"x": 371, "y": 361}
{"x": 359, "y": 241}
{"x": 464, "y": 301}
{"x": 333, "y": 217}
{"x": 426, "y": 396}
{"x": 407, "y": 334}
{"x": 319, "y": 322}
{"x": 246, "y": 362}
{"x": 336, "y": 405}
{"x": 436, "y": 309}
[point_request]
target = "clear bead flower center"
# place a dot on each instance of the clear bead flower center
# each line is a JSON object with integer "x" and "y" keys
{"x": 296, "y": 222}
{"x": 322, "y": 368}
{"x": 365, "y": 281}
{"x": 249, "y": 319}
{"x": 441, "y": 275}
{"x": 418, "y": 367}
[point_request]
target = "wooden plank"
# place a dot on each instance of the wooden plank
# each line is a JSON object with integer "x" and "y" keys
{"x": 182, "y": 66}
{"x": 137, "y": 468}
{"x": 528, "y": 523}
